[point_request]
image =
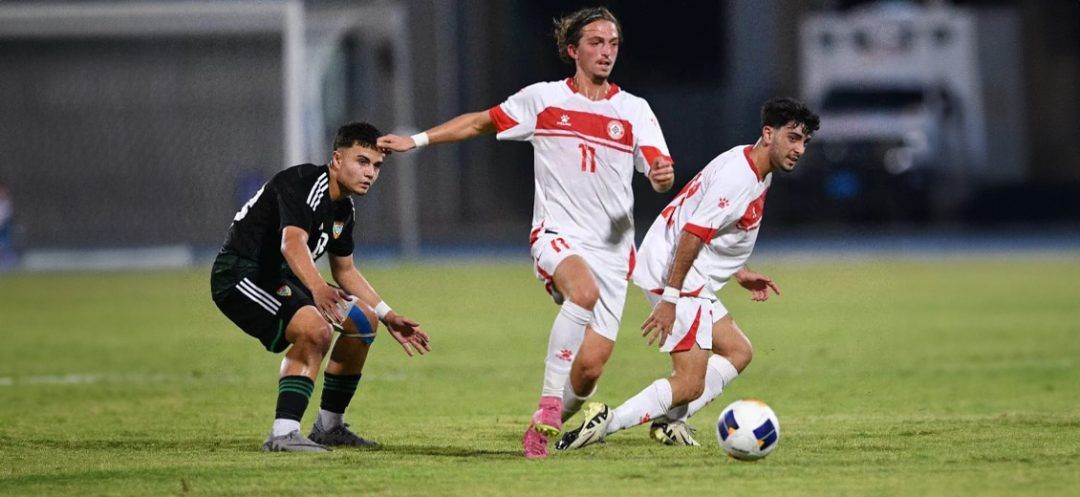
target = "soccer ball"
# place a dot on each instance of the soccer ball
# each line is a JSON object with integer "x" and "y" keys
{"x": 748, "y": 430}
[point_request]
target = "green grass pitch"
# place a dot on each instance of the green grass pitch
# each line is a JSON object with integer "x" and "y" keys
{"x": 948, "y": 377}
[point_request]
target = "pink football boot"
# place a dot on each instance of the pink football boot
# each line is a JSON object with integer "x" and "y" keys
{"x": 546, "y": 422}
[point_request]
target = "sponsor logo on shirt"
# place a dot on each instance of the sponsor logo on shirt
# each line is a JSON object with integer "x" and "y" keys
{"x": 564, "y": 120}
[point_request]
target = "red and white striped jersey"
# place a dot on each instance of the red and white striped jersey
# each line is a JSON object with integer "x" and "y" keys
{"x": 585, "y": 155}
{"x": 723, "y": 206}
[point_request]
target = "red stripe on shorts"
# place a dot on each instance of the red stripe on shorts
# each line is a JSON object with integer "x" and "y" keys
{"x": 691, "y": 337}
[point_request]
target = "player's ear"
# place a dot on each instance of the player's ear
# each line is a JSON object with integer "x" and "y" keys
{"x": 335, "y": 158}
{"x": 571, "y": 50}
{"x": 766, "y": 135}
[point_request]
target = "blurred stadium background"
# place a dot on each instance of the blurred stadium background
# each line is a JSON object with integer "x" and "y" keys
{"x": 928, "y": 247}
{"x": 131, "y": 131}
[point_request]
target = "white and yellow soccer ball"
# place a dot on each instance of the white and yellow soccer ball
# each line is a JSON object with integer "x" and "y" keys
{"x": 748, "y": 430}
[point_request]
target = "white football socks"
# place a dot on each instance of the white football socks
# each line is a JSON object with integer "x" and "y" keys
{"x": 566, "y": 335}
{"x": 719, "y": 374}
{"x": 571, "y": 402}
{"x": 653, "y": 401}
{"x": 284, "y": 427}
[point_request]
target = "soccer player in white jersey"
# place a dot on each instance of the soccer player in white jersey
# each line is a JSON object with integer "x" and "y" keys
{"x": 588, "y": 137}
{"x": 700, "y": 241}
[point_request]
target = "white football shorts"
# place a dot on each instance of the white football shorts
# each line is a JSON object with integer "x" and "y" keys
{"x": 609, "y": 268}
{"x": 694, "y": 318}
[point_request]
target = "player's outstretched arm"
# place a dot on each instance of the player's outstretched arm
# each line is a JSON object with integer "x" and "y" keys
{"x": 295, "y": 250}
{"x": 457, "y": 129}
{"x": 757, "y": 283}
{"x": 662, "y": 318}
{"x": 404, "y": 330}
{"x": 662, "y": 174}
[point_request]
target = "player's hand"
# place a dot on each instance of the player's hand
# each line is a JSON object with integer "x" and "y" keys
{"x": 662, "y": 174}
{"x": 757, "y": 283}
{"x": 408, "y": 333}
{"x": 659, "y": 323}
{"x": 327, "y": 300}
{"x": 396, "y": 143}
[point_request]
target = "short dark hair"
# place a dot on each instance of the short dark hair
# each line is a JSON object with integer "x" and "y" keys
{"x": 359, "y": 133}
{"x": 779, "y": 111}
{"x": 568, "y": 28}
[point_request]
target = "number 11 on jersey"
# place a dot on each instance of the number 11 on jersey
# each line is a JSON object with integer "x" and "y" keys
{"x": 588, "y": 158}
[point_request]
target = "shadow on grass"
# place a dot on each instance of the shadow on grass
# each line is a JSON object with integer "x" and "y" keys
{"x": 451, "y": 451}
{"x": 216, "y": 444}
{"x": 235, "y": 444}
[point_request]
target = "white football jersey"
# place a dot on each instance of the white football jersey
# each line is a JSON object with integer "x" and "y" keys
{"x": 585, "y": 155}
{"x": 723, "y": 206}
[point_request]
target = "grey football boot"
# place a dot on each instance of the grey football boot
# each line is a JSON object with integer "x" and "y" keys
{"x": 340, "y": 436}
{"x": 292, "y": 442}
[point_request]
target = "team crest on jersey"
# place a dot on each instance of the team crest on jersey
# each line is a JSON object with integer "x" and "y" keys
{"x": 615, "y": 130}
{"x": 338, "y": 226}
{"x": 284, "y": 291}
{"x": 564, "y": 120}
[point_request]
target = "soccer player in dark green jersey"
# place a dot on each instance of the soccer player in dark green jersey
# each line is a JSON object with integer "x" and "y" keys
{"x": 265, "y": 280}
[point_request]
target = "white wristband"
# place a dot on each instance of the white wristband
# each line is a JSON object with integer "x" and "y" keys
{"x": 671, "y": 294}
{"x": 381, "y": 310}
{"x": 421, "y": 139}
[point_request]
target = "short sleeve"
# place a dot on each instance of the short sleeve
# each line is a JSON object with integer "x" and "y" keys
{"x": 650, "y": 140}
{"x": 342, "y": 245}
{"x": 293, "y": 207}
{"x": 515, "y": 118}
{"x": 719, "y": 207}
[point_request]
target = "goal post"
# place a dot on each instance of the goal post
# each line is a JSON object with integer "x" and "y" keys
{"x": 304, "y": 35}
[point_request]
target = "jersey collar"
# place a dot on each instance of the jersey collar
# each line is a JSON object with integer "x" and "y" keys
{"x": 612, "y": 89}
{"x": 753, "y": 167}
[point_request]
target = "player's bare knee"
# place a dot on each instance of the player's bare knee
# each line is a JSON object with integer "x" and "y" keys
{"x": 322, "y": 337}
{"x": 317, "y": 337}
{"x": 585, "y": 296}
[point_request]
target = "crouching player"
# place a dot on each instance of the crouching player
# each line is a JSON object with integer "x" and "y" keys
{"x": 265, "y": 280}
{"x": 701, "y": 240}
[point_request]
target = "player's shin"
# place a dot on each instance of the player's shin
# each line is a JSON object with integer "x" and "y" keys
{"x": 566, "y": 335}
{"x": 346, "y": 364}
{"x": 338, "y": 391}
{"x": 293, "y": 395}
{"x": 572, "y": 402}
{"x": 653, "y": 401}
